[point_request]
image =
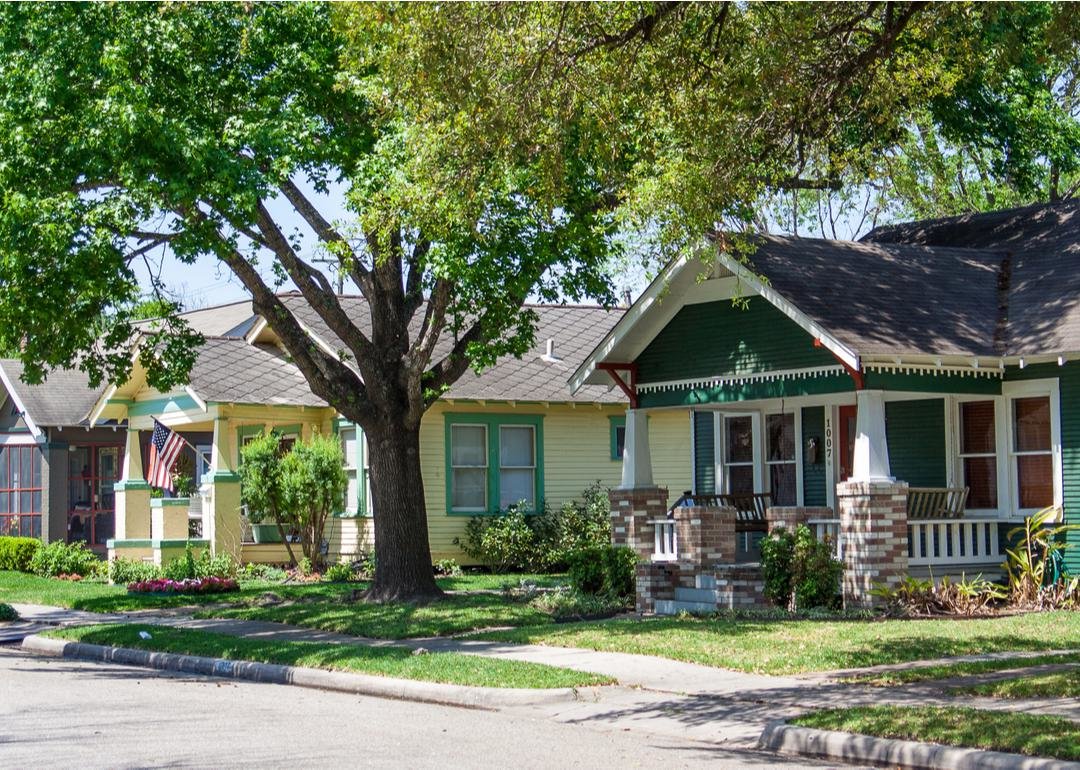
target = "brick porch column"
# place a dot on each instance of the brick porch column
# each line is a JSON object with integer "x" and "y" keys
{"x": 706, "y": 537}
{"x": 873, "y": 526}
{"x": 631, "y": 512}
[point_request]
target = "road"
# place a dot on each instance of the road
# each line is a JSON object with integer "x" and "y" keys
{"x": 65, "y": 713}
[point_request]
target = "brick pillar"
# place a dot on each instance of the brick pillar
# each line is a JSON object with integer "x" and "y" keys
{"x": 873, "y": 526}
{"x": 706, "y": 537}
{"x": 656, "y": 581}
{"x": 789, "y": 516}
{"x": 631, "y": 512}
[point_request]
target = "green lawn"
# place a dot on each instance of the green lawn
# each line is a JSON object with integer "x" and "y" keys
{"x": 795, "y": 646}
{"x": 1031, "y": 734}
{"x": 1063, "y": 684}
{"x": 326, "y": 606}
{"x": 450, "y": 668}
{"x": 929, "y": 673}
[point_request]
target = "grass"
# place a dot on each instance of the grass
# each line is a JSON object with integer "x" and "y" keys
{"x": 325, "y": 606}
{"x": 929, "y": 673}
{"x": 797, "y": 646}
{"x": 449, "y": 668}
{"x": 1030, "y": 734}
{"x": 1062, "y": 684}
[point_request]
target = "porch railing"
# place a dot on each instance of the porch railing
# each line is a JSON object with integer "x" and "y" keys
{"x": 828, "y": 528}
{"x": 665, "y": 540}
{"x": 949, "y": 542}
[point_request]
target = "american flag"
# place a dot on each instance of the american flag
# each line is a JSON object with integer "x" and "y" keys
{"x": 165, "y": 447}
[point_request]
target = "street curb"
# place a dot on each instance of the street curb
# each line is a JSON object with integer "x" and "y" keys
{"x": 488, "y": 698}
{"x": 806, "y": 741}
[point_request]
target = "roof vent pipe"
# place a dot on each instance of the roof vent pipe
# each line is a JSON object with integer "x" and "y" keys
{"x": 549, "y": 352}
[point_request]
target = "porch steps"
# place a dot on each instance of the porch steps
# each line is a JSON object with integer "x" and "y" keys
{"x": 727, "y": 588}
{"x": 675, "y": 606}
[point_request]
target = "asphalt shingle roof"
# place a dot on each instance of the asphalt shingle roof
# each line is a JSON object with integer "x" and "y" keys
{"x": 63, "y": 399}
{"x": 575, "y": 329}
{"x": 233, "y": 319}
{"x": 230, "y": 370}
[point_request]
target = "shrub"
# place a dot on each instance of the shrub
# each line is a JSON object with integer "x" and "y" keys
{"x": 446, "y": 568}
{"x": 7, "y": 613}
{"x": 267, "y": 572}
{"x": 799, "y": 571}
{"x": 205, "y": 565}
{"x": 123, "y": 571}
{"x": 17, "y": 552}
{"x": 916, "y": 597}
{"x": 603, "y": 571}
{"x": 505, "y": 542}
{"x": 1031, "y": 564}
{"x": 570, "y": 604}
{"x": 364, "y": 567}
{"x": 339, "y": 573}
{"x": 314, "y": 479}
{"x": 60, "y": 558}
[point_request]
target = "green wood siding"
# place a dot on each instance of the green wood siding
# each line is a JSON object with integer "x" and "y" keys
{"x": 718, "y": 338}
{"x": 1069, "y": 390}
{"x": 813, "y": 426}
{"x": 915, "y": 431}
{"x": 704, "y": 453}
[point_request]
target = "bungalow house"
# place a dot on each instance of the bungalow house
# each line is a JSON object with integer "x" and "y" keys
{"x": 914, "y": 395}
{"x": 511, "y": 433}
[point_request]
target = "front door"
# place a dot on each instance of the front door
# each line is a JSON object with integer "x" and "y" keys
{"x": 847, "y": 441}
{"x": 92, "y": 471}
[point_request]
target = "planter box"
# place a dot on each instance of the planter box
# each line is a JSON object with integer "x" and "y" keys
{"x": 265, "y": 533}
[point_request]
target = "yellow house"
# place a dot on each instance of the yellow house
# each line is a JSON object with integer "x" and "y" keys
{"x": 511, "y": 433}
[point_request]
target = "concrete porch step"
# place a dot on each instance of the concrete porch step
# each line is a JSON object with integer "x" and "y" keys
{"x": 705, "y": 581}
{"x": 695, "y": 595}
{"x": 674, "y": 606}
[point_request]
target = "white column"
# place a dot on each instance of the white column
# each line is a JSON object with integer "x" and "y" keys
{"x": 637, "y": 462}
{"x": 871, "y": 462}
{"x": 132, "y": 469}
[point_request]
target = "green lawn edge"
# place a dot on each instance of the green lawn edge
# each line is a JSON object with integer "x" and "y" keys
{"x": 954, "y": 670}
{"x": 1058, "y": 684}
{"x": 396, "y": 662}
{"x": 1034, "y": 735}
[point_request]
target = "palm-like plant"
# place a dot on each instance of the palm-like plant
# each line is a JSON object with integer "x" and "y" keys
{"x": 1033, "y": 552}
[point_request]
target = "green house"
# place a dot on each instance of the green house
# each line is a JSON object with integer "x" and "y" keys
{"x": 914, "y": 395}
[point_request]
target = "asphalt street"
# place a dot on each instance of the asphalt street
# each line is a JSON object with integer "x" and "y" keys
{"x": 65, "y": 713}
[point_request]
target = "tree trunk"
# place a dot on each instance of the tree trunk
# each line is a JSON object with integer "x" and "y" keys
{"x": 402, "y": 551}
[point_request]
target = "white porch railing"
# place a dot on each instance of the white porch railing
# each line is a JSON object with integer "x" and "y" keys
{"x": 828, "y": 528}
{"x": 665, "y": 541}
{"x": 949, "y": 542}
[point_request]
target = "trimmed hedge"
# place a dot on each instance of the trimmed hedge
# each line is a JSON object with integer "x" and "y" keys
{"x": 16, "y": 552}
{"x": 604, "y": 570}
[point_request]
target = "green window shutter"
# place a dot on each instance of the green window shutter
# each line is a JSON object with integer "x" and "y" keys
{"x": 704, "y": 453}
{"x": 915, "y": 432}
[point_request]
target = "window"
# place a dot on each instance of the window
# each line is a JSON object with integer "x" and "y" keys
{"x": 1032, "y": 450}
{"x": 468, "y": 463}
{"x": 517, "y": 466}
{"x": 739, "y": 453}
{"x": 20, "y": 491}
{"x": 780, "y": 458}
{"x": 493, "y": 462}
{"x": 618, "y": 437}
{"x": 978, "y": 454}
{"x": 347, "y": 436}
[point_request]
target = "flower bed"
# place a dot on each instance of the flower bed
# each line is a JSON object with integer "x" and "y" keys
{"x": 208, "y": 585}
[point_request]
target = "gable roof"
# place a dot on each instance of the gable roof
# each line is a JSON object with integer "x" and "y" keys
{"x": 62, "y": 400}
{"x": 233, "y": 319}
{"x": 575, "y": 330}
{"x": 230, "y": 370}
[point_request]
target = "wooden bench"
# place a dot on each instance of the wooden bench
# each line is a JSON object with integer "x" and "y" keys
{"x": 749, "y": 507}
{"x": 936, "y": 502}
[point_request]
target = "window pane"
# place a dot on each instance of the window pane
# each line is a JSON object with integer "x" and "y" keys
{"x": 516, "y": 446}
{"x": 1031, "y": 424}
{"x": 37, "y": 527}
{"x": 25, "y": 502}
{"x": 468, "y": 445}
{"x": 740, "y": 439}
{"x": 37, "y": 468}
{"x": 352, "y": 492}
{"x": 26, "y": 473}
{"x": 980, "y": 475}
{"x": 5, "y": 476}
{"x": 782, "y": 484}
{"x": 1035, "y": 477}
{"x": 781, "y": 431}
{"x": 469, "y": 487}
{"x": 620, "y": 440}
{"x": 516, "y": 485}
{"x": 977, "y": 427}
{"x": 348, "y": 447}
{"x": 740, "y": 478}
{"x": 37, "y": 501}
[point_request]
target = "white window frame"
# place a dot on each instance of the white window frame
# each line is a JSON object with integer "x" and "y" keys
{"x": 956, "y": 458}
{"x": 720, "y": 431}
{"x": 486, "y": 466}
{"x": 365, "y": 482}
{"x": 1047, "y": 388}
{"x": 532, "y": 430}
{"x": 351, "y": 506}
{"x": 796, "y": 422}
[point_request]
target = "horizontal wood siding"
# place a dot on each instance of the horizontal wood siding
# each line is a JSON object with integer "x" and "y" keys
{"x": 714, "y": 338}
{"x": 704, "y": 453}
{"x": 813, "y": 426}
{"x": 915, "y": 431}
{"x": 1069, "y": 390}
